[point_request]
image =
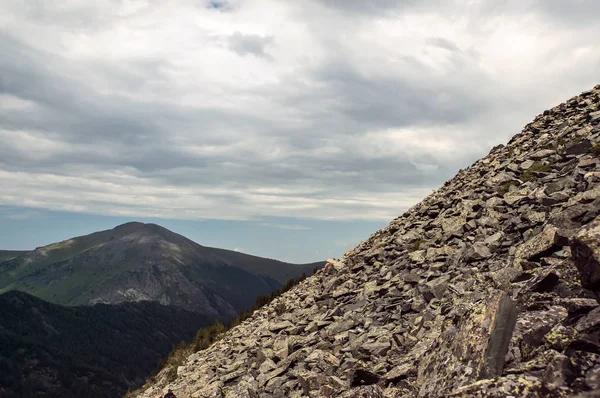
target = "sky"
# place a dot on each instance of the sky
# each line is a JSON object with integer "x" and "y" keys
{"x": 286, "y": 129}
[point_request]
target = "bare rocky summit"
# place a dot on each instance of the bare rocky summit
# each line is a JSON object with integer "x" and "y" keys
{"x": 487, "y": 288}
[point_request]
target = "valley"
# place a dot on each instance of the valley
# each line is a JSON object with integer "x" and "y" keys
{"x": 96, "y": 315}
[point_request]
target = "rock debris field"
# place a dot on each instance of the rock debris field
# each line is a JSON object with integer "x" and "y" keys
{"x": 487, "y": 288}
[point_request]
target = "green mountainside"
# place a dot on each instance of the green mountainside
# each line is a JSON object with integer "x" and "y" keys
{"x": 146, "y": 262}
{"x": 6, "y": 255}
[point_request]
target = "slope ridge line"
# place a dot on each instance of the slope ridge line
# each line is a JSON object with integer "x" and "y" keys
{"x": 486, "y": 288}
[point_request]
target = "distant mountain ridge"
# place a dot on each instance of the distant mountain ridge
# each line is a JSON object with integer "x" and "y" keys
{"x": 145, "y": 262}
{"x": 6, "y": 255}
{"x": 47, "y": 350}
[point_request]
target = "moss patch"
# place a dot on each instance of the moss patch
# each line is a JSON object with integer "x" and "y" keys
{"x": 414, "y": 246}
{"x": 538, "y": 167}
{"x": 504, "y": 188}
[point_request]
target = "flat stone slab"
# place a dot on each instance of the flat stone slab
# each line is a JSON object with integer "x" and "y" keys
{"x": 471, "y": 350}
{"x": 585, "y": 250}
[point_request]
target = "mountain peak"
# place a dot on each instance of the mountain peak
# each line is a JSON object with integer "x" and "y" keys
{"x": 130, "y": 224}
{"x": 139, "y": 261}
{"x": 136, "y": 226}
{"x": 148, "y": 232}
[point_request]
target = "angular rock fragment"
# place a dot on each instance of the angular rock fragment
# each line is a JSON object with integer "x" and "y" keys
{"x": 377, "y": 348}
{"x": 545, "y": 281}
{"x": 530, "y": 331}
{"x": 474, "y": 349}
{"x": 578, "y": 148}
{"x": 592, "y": 378}
{"x": 540, "y": 244}
{"x": 576, "y": 305}
{"x": 453, "y": 224}
{"x": 508, "y": 386}
{"x": 542, "y": 154}
{"x": 585, "y": 249}
{"x": 438, "y": 286}
{"x": 589, "y": 321}
{"x": 588, "y": 162}
{"x": 575, "y": 216}
{"x": 560, "y": 337}
{"x": 494, "y": 239}
{"x": 364, "y": 392}
{"x": 476, "y": 252}
{"x": 398, "y": 373}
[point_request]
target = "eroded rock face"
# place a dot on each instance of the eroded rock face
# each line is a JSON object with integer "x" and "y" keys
{"x": 586, "y": 254}
{"x": 471, "y": 350}
{"x": 484, "y": 289}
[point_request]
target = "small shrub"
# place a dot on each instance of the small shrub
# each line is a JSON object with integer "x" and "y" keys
{"x": 280, "y": 308}
{"x": 538, "y": 167}
{"x": 175, "y": 359}
{"x": 206, "y": 336}
{"x": 171, "y": 374}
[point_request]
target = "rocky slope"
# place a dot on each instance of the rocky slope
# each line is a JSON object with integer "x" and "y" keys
{"x": 146, "y": 262}
{"x": 47, "y": 350}
{"x": 487, "y": 288}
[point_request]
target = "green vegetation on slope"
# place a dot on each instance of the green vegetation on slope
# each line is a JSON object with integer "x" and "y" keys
{"x": 145, "y": 261}
{"x": 6, "y": 255}
{"x": 536, "y": 168}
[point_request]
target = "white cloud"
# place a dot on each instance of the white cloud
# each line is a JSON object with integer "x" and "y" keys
{"x": 246, "y": 109}
{"x": 293, "y": 227}
{"x": 25, "y": 215}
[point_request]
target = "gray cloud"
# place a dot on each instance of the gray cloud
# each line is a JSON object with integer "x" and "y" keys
{"x": 579, "y": 12}
{"x": 357, "y": 6}
{"x": 576, "y": 14}
{"x": 244, "y": 44}
{"x": 292, "y": 227}
{"x": 442, "y": 43}
{"x": 386, "y": 101}
{"x": 377, "y": 7}
{"x": 356, "y": 118}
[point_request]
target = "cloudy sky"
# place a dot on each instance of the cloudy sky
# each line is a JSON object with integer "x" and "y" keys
{"x": 289, "y": 129}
